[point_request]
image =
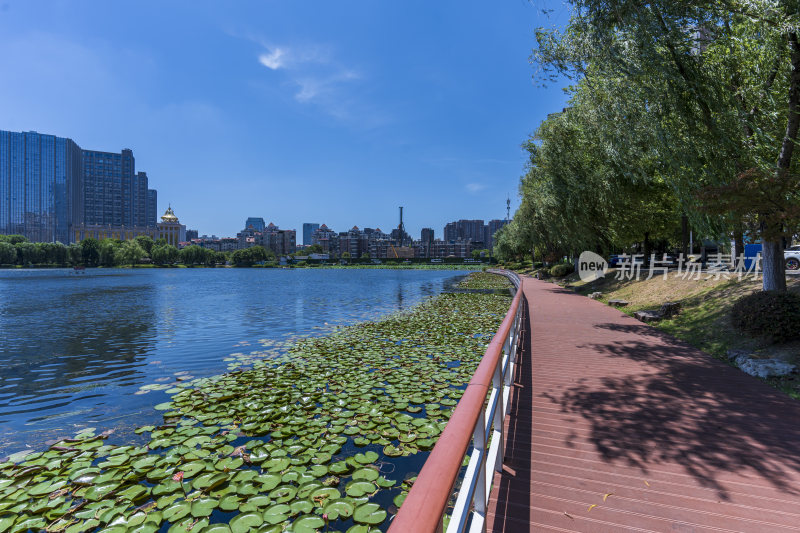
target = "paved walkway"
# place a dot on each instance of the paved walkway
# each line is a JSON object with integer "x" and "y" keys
{"x": 605, "y": 405}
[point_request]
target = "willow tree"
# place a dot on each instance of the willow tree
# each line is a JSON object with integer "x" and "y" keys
{"x": 721, "y": 83}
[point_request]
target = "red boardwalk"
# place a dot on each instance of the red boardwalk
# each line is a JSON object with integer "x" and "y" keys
{"x": 615, "y": 426}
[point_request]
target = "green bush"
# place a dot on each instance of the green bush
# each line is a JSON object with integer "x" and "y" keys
{"x": 560, "y": 270}
{"x": 770, "y": 314}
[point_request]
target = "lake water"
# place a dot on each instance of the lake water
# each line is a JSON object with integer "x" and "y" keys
{"x": 77, "y": 348}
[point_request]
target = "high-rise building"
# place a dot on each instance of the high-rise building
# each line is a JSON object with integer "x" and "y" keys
{"x": 427, "y": 236}
{"x": 152, "y": 207}
{"x": 491, "y": 228}
{"x": 48, "y": 185}
{"x": 308, "y": 232}
{"x": 465, "y": 230}
{"x": 108, "y": 180}
{"x": 140, "y": 199}
{"x": 255, "y": 224}
{"x": 41, "y": 186}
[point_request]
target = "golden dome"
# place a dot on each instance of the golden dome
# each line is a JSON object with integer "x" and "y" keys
{"x": 169, "y": 216}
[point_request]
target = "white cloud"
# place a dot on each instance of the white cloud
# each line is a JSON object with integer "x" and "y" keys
{"x": 474, "y": 188}
{"x": 274, "y": 59}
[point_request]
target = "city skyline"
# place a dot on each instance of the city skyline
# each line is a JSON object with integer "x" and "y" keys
{"x": 270, "y": 109}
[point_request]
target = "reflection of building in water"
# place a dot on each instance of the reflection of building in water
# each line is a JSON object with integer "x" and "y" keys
{"x": 169, "y": 229}
{"x": 79, "y": 369}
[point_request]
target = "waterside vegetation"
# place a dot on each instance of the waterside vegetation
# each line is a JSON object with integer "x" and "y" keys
{"x": 325, "y": 436}
{"x": 683, "y": 115}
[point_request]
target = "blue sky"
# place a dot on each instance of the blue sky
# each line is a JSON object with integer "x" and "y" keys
{"x": 334, "y": 112}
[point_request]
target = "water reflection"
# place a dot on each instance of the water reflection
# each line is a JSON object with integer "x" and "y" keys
{"x": 77, "y": 350}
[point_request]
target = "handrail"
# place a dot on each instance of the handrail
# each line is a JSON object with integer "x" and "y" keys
{"x": 424, "y": 507}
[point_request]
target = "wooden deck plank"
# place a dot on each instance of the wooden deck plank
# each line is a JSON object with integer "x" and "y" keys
{"x": 604, "y": 404}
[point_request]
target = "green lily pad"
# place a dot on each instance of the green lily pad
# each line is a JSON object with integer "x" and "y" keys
{"x": 209, "y": 480}
{"x": 366, "y": 457}
{"x": 277, "y": 513}
{"x": 216, "y": 528}
{"x": 356, "y": 489}
{"x": 242, "y": 523}
{"x": 308, "y": 524}
{"x": 366, "y": 473}
{"x": 369, "y": 513}
{"x": 202, "y": 507}
{"x": 339, "y": 509}
{"x": 301, "y": 506}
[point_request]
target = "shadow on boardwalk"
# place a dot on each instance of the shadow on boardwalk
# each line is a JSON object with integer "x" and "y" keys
{"x": 686, "y": 408}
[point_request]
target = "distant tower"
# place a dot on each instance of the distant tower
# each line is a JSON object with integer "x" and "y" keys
{"x": 401, "y": 230}
{"x": 508, "y": 209}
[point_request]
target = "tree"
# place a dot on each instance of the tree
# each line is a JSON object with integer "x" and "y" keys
{"x": 249, "y": 256}
{"x": 717, "y": 81}
{"x": 145, "y": 242}
{"x": 74, "y": 254}
{"x": 129, "y": 253}
{"x": 365, "y": 255}
{"x": 165, "y": 254}
{"x": 8, "y": 253}
{"x": 107, "y": 252}
{"x": 90, "y": 251}
{"x": 313, "y": 249}
{"x": 29, "y": 253}
{"x": 345, "y": 255}
{"x": 13, "y": 239}
{"x": 193, "y": 255}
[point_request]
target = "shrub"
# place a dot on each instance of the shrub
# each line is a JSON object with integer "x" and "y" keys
{"x": 560, "y": 270}
{"x": 770, "y": 314}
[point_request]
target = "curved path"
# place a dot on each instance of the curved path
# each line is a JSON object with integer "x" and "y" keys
{"x": 678, "y": 441}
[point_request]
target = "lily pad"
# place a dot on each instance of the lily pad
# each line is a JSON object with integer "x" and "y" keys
{"x": 356, "y": 489}
{"x": 339, "y": 509}
{"x": 242, "y": 523}
{"x": 369, "y": 513}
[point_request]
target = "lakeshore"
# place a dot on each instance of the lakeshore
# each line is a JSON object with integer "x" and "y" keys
{"x": 335, "y": 426}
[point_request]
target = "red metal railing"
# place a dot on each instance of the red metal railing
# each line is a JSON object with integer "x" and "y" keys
{"x": 424, "y": 508}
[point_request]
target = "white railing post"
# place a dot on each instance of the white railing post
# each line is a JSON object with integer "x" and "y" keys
{"x": 499, "y": 415}
{"x": 479, "y": 497}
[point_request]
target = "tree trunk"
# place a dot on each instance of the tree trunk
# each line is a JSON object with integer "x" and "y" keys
{"x": 772, "y": 249}
{"x": 684, "y": 235}
{"x": 738, "y": 238}
{"x": 647, "y": 248}
{"x": 774, "y": 273}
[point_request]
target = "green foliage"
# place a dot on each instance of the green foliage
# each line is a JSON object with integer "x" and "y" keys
{"x": 8, "y": 253}
{"x": 145, "y": 242}
{"x": 345, "y": 255}
{"x": 561, "y": 270}
{"x": 770, "y": 314}
{"x": 13, "y": 239}
{"x": 90, "y": 252}
{"x": 107, "y": 250}
{"x": 676, "y": 107}
{"x": 129, "y": 253}
{"x": 75, "y": 254}
{"x": 164, "y": 254}
{"x": 30, "y": 254}
{"x": 365, "y": 255}
{"x": 249, "y": 256}
{"x": 313, "y": 249}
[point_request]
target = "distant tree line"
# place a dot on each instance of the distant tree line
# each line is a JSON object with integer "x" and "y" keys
{"x": 681, "y": 115}
{"x": 17, "y": 250}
